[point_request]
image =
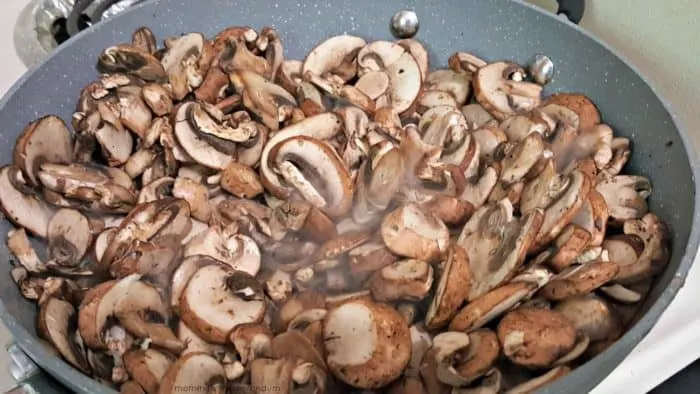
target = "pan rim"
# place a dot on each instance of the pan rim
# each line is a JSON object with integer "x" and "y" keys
{"x": 607, "y": 360}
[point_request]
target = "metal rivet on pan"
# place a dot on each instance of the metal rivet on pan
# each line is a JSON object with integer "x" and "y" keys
{"x": 404, "y": 24}
{"x": 541, "y": 68}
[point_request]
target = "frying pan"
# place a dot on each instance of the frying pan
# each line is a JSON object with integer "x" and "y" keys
{"x": 493, "y": 30}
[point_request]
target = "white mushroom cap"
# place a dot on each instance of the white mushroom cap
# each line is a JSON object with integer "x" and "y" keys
{"x": 368, "y": 344}
{"x": 498, "y": 89}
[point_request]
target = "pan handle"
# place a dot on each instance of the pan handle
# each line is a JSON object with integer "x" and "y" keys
{"x": 572, "y": 9}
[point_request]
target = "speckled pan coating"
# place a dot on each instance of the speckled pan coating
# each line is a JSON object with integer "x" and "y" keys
{"x": 495, "y": 29}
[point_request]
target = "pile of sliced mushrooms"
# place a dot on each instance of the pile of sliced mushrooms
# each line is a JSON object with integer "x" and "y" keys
{"x": 223, "y": 217}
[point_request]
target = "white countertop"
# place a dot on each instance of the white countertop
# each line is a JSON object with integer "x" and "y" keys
{"x": 662, "y": 39}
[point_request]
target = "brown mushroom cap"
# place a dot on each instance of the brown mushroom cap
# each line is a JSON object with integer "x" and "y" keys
{"x": 535, "y": 338}
{"x": 452, "y": 289}
{"x": 46, "y": 140}
{"x": 196, "y": 371}
{"x": 368, "y": 344}
{"x": 592, "y": 316}
{"x": 411, "y": 232}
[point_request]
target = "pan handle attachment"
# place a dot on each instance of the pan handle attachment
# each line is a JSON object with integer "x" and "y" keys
{"x": 29, "y": 377}
{"x": 572, "y": 9}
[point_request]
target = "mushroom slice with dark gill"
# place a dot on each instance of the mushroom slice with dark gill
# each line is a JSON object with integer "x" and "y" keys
{"x": 131, "y": 60}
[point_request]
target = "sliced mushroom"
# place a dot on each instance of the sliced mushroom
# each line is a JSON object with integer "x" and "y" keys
{"x": 405, "y": 79}
{"x": 237, "y": 250}
{"x": 19, "y": 245}
{"x": 69, "y": 237}
{"x": 141, "y": 311}
{"x": 457, "y": 84}
{"x": 563, "y": 209}
{"x": 480, "y": 356}
{"x": 316, "y": 172}
{"x": 57, "y": 319}
{"x": 194, "y": 145}
{"x": 654, "y": 257}
{"x": 251, "y": 341}
{"x": 196, "y": 371}
{"x": 582, "y": 279}
{"x": 572, "y": 241}
{"x": 181, "y": 62}
{"x": 46, "y": 140}
{"x": 368, "y": 344}
{"x": 411, "y": 232}
{"x": 322, "y": 126}
{"x": 580, "y": 105}
{"x": 147, "y": 367}
{"x": 491, "y": 305}
{"x": 263, "y": 98}
{"x": 535, "y": 338}
{"x": 131, "y": 60}
{"x": 496, "y": 243}
{"x": 241, "y": 181}
{"x": 217, "y": 299}
{"x": 408, "y": 280}
{"x": 521, "y": 158}
{"x": 591, "y": 316}
{"x": 23, "y": 210}
{"x": 452, "y": 289}
{"x": 625, "y": 196}
{"x": 157, "y": 98}
{"x": 443, "y": 356}
{"x": 500, "y": 89}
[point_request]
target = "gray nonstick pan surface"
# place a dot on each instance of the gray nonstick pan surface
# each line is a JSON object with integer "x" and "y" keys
{"x": 493, "y": 30}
